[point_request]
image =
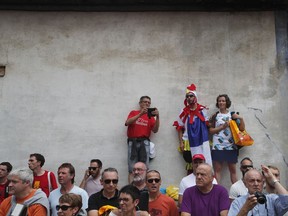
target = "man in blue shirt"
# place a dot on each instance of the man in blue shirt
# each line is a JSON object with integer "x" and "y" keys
{"x": 249, "y": 204}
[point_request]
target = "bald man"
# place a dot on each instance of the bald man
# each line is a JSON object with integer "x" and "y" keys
{"x": 249, "y": 205}
{"x": 205, "y": 198}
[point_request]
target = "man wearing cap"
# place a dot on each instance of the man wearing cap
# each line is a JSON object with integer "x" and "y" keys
{"x": 192, "y": 125}
{"x": 190, "y": 180}
{"x": 140, "y": 124}
{"x": 238, "y": 188}
{"x": 205, "y": 198}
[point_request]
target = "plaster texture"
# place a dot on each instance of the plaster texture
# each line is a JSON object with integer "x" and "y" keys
{"x": 72, "y": 78}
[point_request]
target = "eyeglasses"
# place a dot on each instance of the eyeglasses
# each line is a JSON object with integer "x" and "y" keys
{"x": 157, "y": 180}
{"x": 123, "y": 199}
{"x": 108, "y": 181}
{"x": 191, "y": 95}
{"x": 146, "y": 102}
{"x": 62, "y": 207}
{"x": 246, "y": 166}
{"x": 93, "y": 168}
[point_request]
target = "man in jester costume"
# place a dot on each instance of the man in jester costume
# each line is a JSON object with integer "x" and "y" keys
{"x": 192, "y": 126}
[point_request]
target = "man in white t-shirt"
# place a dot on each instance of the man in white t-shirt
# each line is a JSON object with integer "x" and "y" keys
{"x": 238, "y": 188}
{"x": 190, "y": 180}
{"x": 66, "y": 175}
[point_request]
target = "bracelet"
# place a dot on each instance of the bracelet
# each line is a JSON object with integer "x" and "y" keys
{"x": 275, "y": 181}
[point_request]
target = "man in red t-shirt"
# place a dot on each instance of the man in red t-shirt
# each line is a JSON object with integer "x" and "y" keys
{"x": 5, "y": 168}
{"x": 42, "y": 178}
{"x": 140, "y": 124}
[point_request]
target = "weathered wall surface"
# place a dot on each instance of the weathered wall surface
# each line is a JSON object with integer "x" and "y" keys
{"x": 72, "y": 78}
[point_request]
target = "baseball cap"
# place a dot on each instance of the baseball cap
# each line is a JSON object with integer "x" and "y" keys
{"x": 198, "y": 156}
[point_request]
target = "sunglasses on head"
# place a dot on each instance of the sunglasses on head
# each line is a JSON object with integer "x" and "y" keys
{"x": 108, "y": 181}
{"x": 62, "y": 207}
{"x": 92, "y": 168}
{"x": 157, "y": 180}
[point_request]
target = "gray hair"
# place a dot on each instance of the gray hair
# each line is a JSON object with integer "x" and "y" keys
{"x": 24, "y": 174}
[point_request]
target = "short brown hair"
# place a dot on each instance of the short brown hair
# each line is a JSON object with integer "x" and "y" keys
{"x": 74, "y": 200}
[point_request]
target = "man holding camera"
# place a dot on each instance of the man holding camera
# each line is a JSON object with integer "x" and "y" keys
{"x": 256, "y": 203}
{"x": 140, "y": 124}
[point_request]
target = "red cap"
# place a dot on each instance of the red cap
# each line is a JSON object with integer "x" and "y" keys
{"x": 198, "y": 156}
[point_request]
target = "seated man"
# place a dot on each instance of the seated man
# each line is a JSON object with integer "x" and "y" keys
{"x": 159, "y": 204}
{"x": 108, "y": 195}
{"x": 91, "y": 181}
{"x": 66, "y": 178}
{"x": 5, "y": 169}
{"x": 139, "y": 181}
{"x": 238, "y": 188}
{"x": 205, "y": 198}
{"x": 270, "y": 204}
{"x": 20, "y": 187}
{"x": 42, "y": 178}
{"x": 190, "y": 180}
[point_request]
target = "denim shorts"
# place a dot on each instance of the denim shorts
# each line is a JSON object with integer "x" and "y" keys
{"x": 132, "y": 162}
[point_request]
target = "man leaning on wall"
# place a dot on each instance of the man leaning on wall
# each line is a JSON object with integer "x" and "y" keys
{"x": 140, "y": 124}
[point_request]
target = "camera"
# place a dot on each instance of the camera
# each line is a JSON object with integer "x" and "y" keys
{"x": 261, "y": 198}
{"x": 149, "y": 112}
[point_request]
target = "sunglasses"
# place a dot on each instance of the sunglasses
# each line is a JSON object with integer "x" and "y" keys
{"x": 93, "y": 168}
{"x": 108, "y": 181}
{"x": 188, "y": 96}
{"x": 246, "y": 166}
{"x": 63, "y": 207}
{"x": 123, "y": 199}
{"x": 157, "y": 180}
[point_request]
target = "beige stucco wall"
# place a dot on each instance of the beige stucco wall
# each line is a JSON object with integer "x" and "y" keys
{"x": 72, "y": 78}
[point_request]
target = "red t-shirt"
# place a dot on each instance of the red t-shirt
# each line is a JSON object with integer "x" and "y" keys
{"x": 142, "y": 127}
{"x": 3, "y": 192}
{"x": 42, "y": 182}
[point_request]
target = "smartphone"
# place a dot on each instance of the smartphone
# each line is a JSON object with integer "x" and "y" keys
{"x": 149, "y": 112}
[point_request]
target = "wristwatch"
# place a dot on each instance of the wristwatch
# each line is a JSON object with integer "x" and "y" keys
{"x": 274, "y": 182}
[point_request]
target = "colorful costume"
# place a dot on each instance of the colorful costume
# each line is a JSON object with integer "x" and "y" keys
{"x": 194, "y": 123}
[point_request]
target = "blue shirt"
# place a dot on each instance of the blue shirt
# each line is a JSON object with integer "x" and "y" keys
{"x": 275, "y": 205}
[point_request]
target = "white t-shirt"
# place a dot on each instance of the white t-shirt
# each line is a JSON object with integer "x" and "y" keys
{"x": 56, "y": 194}
{"x": 237, "y": 189}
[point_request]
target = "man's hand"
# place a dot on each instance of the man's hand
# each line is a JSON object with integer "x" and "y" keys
{"x": 86, "y": 174}
{"x": 250, "y": 203}
{"x": 268, "y": 175}
{"x": 155, "y": 112}
{"x": 143, "y": 111}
